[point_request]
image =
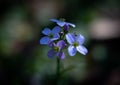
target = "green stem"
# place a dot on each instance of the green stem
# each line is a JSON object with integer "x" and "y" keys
{"x": 58, "y": 63}
{"x": 57, "y": 71}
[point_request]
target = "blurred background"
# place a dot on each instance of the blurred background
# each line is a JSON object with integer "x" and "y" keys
{"x": 23, "y": 61}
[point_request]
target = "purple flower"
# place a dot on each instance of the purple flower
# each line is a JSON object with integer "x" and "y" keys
{"x": 51, "y": 35}
{"x": 62, "y": 23}
{"x": 75, "y": 44}
{"x": 56, "y": 49}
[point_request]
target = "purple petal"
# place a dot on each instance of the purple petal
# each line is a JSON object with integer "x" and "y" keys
{"x": 44, "y": 40}
{"x": 51, "y": 53}
{"x": 82, "y": 49}
{"x": 80, "y": 39}
{"x": 66, "y": 27}
{"x": 72, "y": 50}
{"x": 70, "y": 38}
{"x": 61, "y": 55}
{"x": 51, "y": 44}
{"x": 71, "y": 24}
{"x": 61, "y": 44}
{"x": 46, "y": 31}
{"x": 56, "y": 29}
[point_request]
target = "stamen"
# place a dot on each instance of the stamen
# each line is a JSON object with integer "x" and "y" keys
{"x": 56, "y": 49}
{"x": 75, "y": 44}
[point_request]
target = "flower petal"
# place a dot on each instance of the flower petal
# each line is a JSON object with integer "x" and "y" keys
{"x": 44, "y": 40}
{"x": 71, "y": 24}
{"x": 61, "y": 55}
{"x": 60, "y": 23}
{"x": 66, "y": 27}
{"x": 54, "y": 20}
{"x": 56, "y": 29}
{"x": 51, "y": 53}
{"x": 61, "y": 44}
{"x": 70, "y": 38}
{"x": 55, "y": 37}
{"x": 80, "y": 39}
{"x": 51, "y": 44}
{"x": 72, "y": 50}
{"x": 82, "y": 49}
{"x": 46, "y": 31}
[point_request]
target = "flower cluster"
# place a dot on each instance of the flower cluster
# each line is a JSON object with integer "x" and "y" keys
{"x": 59, "y": 38}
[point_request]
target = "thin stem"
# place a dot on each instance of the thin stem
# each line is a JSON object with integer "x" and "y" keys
{"x": 57, "y": 71}
{"x": 58, "y": 63}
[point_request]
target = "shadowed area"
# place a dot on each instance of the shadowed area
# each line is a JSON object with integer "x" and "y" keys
{"x": 24, "y": 61}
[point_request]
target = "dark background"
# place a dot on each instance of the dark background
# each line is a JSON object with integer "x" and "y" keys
{"x": 23, "y": 61}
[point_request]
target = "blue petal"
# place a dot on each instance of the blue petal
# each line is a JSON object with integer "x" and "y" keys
{"x": 82, "y": 49}
{"x": 56, "y": 29}
{"x": 61, "y": 44}
{"x": 60, "y": 23}
{"x": 46, "y": 31}
{"x": 80, "y": 39}
{"x": 71, "y": 24}
{"x": 61, "y": 55}
{"x": 70, "y": 38}
{"x": 55, "y": 37}
{"x": 72, "y": 50}
{"x": 51, "y": 53}
{"x": 54, "y": 20}
{"x": 44, "y": 40}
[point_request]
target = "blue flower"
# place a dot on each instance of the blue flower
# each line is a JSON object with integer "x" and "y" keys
{"x": 56, "y": 49}
{"x": 75, "y": 44}
{"x": 51, "y": 35}
{"x": 62, "y": 23}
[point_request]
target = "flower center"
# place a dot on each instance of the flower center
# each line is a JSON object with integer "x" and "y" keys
{"x": 50, "y": 35}
{"x": 75, "y": 44}
{"x": 56, "y": 49}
